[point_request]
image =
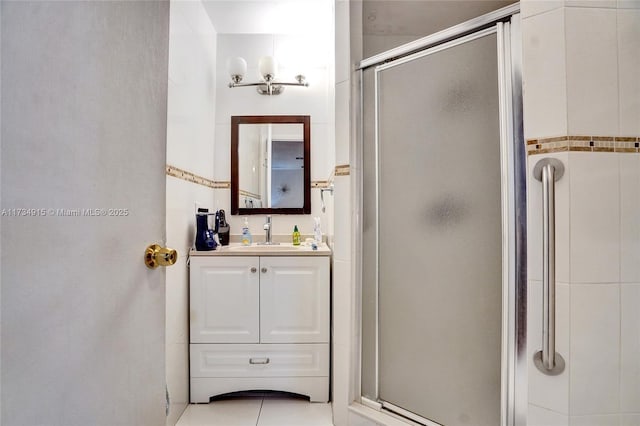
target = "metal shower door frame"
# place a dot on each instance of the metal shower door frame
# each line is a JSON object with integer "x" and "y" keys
{"x": 506, "y": 24}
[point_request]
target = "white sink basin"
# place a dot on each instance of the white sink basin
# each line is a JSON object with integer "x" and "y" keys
{"x": 265, "y": 247}
{"x": 282, "y": 249}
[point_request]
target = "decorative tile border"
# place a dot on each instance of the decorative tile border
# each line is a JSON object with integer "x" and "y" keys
{"x": 319, "y": 184}
{"x": 249, "y": 194}
{"x": 343, "y": 170}
{"x": 193, "y": 178}
{"x": 583, "y": 144}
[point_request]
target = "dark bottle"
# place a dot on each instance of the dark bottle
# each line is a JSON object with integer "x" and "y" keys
{"x": 222, "y": 228}
{"x": 204, "y": 235}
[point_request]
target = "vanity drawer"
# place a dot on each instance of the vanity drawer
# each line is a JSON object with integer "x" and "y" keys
{"x": 259, "y": 360}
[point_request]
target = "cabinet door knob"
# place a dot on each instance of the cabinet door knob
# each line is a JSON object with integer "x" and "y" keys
{"x": 264, "y": 270}
{"x": 254, "y": 270}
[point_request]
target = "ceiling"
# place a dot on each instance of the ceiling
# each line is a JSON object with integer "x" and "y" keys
{"x": 270, "y": 16}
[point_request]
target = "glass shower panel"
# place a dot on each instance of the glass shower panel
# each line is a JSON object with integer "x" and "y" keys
{"x": 440, "y": 236}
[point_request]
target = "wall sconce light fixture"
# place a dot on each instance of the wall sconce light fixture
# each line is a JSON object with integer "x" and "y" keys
{"x": 268, "y": 67}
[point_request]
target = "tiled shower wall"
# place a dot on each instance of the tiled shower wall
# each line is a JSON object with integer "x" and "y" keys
{"x": 343, "y": 290}
{"x": 581, "y": 87}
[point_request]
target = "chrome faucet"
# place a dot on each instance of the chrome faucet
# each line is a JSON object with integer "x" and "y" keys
{"x": 267, "y": 229}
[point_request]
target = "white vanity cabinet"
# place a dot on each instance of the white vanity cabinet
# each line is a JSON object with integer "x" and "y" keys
{"x": 259, "y": 323}
{"x": 225, "y": 300}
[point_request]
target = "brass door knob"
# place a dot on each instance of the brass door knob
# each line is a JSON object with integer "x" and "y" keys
{"x": 156, "y": 255}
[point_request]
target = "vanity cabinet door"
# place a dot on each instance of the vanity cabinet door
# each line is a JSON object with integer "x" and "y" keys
{"x": 225, "y": 299}
{"x": 294, "y": 299}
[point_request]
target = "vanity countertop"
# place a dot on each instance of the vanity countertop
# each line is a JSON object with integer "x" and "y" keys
{"x": 282, "y": 249}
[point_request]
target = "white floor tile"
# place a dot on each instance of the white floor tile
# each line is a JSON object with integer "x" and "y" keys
{"x": 272, "y": 411}
{"x": 291, "y": 412}
{"x": 233, "y": 412}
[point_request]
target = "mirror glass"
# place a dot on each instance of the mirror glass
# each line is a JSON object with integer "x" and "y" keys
{"x": 270, "y": 164}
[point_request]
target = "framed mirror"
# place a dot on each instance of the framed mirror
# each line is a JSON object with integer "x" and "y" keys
{"x": 270, "y": 164}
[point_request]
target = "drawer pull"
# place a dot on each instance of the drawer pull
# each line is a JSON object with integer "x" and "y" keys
{"x": 258, "y": 360}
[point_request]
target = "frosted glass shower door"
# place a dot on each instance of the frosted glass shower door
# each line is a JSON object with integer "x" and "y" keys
{"x": 439, "y": 234}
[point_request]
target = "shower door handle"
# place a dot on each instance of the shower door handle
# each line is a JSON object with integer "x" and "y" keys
{"x": 548, "y": 361}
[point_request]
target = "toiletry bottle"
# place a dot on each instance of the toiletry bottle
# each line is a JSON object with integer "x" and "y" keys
{"x": 317, "y": 231}
{"x": 204, "y": 236}
{"x": 296, "y": 236}
{"x": 222, "y": 228}
{"x": 246, "y": 235}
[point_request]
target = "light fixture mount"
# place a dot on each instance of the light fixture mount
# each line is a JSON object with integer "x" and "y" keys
{"x": 268, "y": 67}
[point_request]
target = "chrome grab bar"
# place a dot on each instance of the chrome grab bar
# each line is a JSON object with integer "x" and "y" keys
{"x": 548, "y": 361}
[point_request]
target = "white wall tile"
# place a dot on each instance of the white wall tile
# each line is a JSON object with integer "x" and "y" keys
{"x": 529, "y": 8}
{"x": 239, "y": 100}
{"x": 342, "y": 120}
{"x": 592, "y": 71}
{"x": 312, "y": 100}
{"x": 538, "y": 416}
{"x": 177, "y": 356}
{"x": 629, "y": 214}
{"x": 630, "y": 349}
{"x": 343, "y": 60}
{"x": 251, "y": 47}
{"x": 595, "y": 349}
{"x": 222, "y": 152}
{"x": 341, "y": 363}
{"x": 629, "y": 64}
{"x": 544, "y": 75}
{"x": 342, "y": 219}
{"x": 550, "y": 392}
{"x": 595, "y": 217}
{"x": 302, "y": 52}
{"x": 320, "y": 141}
{"x": 603, "y": 4}
{"x": 342, "y": 302}
{"x": 192, "y": 70}
{"x": 190, "y": 135}
{"x": 601, "y": 420}
{"x": 534, "y": 219}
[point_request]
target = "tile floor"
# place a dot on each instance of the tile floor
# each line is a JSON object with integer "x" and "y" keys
{"x": 257, "y": 411}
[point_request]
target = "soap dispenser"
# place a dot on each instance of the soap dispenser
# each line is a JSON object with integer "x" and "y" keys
{"x": 246, "y": 235}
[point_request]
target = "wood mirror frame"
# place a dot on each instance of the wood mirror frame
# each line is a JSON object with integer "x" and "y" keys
{"x": 236, "y": 121}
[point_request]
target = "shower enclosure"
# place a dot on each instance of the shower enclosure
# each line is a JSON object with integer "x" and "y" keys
{"x": 444, "y": 227}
